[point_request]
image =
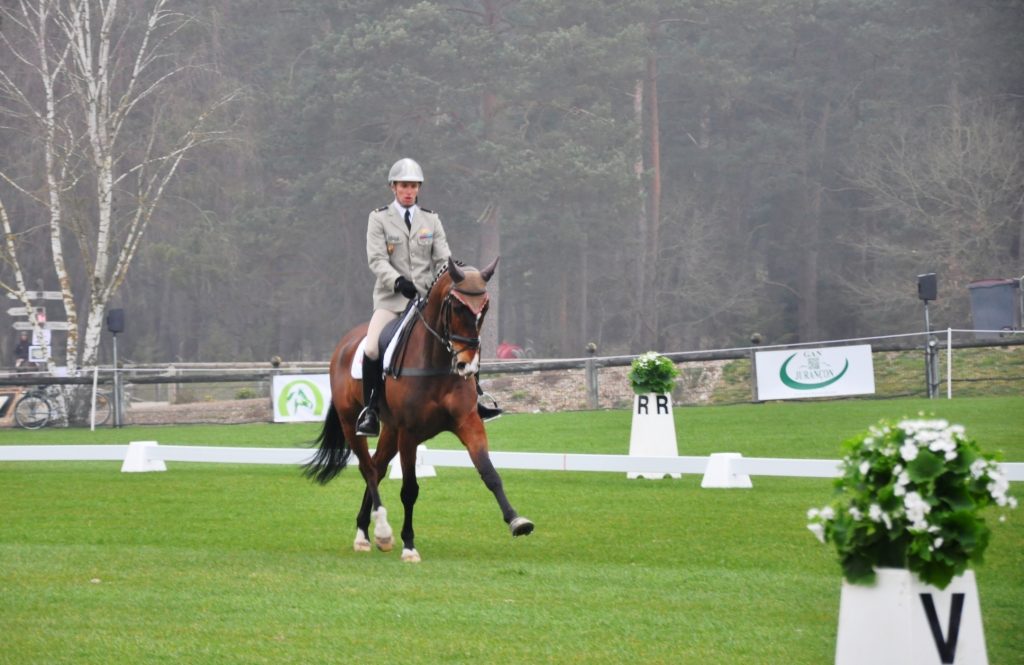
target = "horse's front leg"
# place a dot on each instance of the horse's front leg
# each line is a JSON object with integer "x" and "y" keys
{"x": 474, "y": 438}
{"x": 410, "y": 492}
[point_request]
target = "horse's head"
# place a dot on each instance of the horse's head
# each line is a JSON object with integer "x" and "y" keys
{"x": 464, "y": 305}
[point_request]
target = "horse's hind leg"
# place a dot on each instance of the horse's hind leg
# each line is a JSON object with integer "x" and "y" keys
{"x": 383, "y": 535}
{"x": 371, "y": 506}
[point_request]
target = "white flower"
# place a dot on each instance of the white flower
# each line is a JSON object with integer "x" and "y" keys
{"x": 908, "y": 451}
{"x": 917, "y": 508}
{"x": 818, "y": 531}
{"x": 856, "y": 514}
{"x": 812, "y": 513}
{"x": 827, "y": 513}
{"x": 865, "y": 466}
{"x": 937, "y": 543}
{"x": 978, "y": 468}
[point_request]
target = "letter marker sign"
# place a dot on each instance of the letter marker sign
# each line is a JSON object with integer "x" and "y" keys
{"x": 823, "y": 372}
{"x": 653, "y": 431}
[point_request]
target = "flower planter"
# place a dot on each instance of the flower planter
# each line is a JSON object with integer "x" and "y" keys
{"x": 653, "y": 431}
{"x": 902, "y": 621}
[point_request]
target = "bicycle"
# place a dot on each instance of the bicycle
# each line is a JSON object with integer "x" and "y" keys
{"x": 43, "y": 404}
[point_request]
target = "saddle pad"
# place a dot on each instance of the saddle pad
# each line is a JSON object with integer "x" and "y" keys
{"x": 357, "y": 359}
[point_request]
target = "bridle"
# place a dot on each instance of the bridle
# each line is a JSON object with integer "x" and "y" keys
{"x": 446, "y": 337}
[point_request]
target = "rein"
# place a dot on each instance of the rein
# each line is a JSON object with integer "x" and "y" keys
{"x": 445, "y": 337}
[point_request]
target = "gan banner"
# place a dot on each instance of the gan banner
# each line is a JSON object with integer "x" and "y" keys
{"x": 826, "y": 372}
{"x": 301, "y": 397}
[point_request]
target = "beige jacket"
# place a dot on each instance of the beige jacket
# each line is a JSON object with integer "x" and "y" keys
{"x": 392, "y": 250}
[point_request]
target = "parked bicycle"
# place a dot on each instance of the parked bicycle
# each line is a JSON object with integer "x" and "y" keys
{"x": 68, "y": 405}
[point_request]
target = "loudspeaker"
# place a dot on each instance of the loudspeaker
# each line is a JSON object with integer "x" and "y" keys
{"x": 115, "y": 321}
{"x": 927, "y": 287}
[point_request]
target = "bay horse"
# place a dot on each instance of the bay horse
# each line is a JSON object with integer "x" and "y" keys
{"x": 434, "y": 391}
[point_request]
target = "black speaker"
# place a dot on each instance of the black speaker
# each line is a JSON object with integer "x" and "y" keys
{"x": 115, "y": 321}
{"x": 927, "y": 287}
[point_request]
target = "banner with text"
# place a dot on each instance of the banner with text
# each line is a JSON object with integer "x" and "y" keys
{"x": 825, "y": 372}
{"x": 300, "y": 398}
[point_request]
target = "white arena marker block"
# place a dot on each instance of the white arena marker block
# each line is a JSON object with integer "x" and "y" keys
{"x": 422, "y": 470}
{"x": 903, "y": 621}
{"x": 137, "y": 459}
{"x": 719, "y": 472}
{"x": 652, "y": 432}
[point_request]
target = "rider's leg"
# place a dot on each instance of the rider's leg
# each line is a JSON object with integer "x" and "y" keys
{"x": 368, "y": 423}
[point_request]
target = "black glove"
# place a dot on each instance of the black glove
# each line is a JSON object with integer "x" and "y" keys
{"x": 405, "y": 287}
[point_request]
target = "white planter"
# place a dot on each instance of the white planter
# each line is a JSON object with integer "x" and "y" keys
{"x": 902, "y": 621}
{"x": 653, "y": 431}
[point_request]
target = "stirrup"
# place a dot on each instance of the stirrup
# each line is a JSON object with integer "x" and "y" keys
{"x": 367, "y": 424}
{"x": 488, "y": 413}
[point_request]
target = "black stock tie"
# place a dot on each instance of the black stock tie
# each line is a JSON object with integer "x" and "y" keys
{"x": 408, "y": 220}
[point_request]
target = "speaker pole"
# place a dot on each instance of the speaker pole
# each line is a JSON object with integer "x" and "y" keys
{"x": 117, "y": 388}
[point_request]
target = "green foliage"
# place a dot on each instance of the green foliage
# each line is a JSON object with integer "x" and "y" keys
{"x": 652, "y": 372}
{"x": 911, "y": 497}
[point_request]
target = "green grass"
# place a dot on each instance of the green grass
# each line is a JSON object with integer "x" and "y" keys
{"x": 252, "y": 564}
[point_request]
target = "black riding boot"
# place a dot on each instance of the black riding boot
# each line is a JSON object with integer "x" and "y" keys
{"x": 487, "y": 413}
{"x": 368, "y": 424}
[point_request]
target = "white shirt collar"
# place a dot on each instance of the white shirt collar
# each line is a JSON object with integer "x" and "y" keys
{"x": 401, "y": 210}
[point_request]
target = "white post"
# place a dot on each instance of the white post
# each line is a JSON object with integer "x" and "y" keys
{"x": 92, "y": 409}
{"x": 949, "y": 363}
{"x": 137, "y": 459}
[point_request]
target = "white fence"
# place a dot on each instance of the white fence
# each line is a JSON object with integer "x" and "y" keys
{"x": 719, "y": 470}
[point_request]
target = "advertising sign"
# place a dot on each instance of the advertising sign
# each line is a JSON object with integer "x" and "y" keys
{"x": 825, "y": 372}
{"x": 300, "y": 398}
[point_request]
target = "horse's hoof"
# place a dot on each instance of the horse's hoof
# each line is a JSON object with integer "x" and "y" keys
{"x": 361, "y": 546}
{"x": 520, "y": 526}
{"x": 410, "y": 556}
{"x": 385, "y": 544}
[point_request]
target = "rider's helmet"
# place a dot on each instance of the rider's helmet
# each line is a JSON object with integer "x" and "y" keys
{"x": 405, "y": 170}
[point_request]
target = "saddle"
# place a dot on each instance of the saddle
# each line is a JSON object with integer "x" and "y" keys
{"x": 392, "y": 339}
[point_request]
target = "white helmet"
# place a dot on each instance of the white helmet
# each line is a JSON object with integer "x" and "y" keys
{"x": 405, "y": 170}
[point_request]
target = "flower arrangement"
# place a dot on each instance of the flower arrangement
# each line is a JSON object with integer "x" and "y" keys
{"x": 652, "y": 373}
{"x": 910, "y": 497}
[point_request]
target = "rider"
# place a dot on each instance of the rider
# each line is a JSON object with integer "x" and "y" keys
{"x": 405, "y": 248}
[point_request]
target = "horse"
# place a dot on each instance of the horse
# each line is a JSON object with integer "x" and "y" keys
{"x": 432, "y": 391}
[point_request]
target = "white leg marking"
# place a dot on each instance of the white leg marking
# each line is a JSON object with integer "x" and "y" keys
{"x": 361, "y": 543}
{"x": 382, "y": 533}
{"x": 410, "y": 556}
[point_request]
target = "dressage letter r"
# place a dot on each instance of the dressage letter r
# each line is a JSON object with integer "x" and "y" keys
{"x": 662, "y": 404}
{"x": 641, "y": 404}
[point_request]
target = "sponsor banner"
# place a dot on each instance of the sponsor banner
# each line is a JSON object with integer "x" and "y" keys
{"x": 300, "y": 398}
{"x": 825, "y": 372}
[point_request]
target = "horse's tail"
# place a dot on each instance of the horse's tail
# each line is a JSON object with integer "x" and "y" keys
{"x": 332, "y": 456}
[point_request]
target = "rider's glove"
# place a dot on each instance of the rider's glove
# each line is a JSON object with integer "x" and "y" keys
{"x": 405, "y": 287}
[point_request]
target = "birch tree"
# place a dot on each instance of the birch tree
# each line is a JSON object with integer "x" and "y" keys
{"x": 90, "y": 81}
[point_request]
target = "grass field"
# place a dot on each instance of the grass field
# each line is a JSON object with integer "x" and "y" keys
{"x": 252, "y": 564}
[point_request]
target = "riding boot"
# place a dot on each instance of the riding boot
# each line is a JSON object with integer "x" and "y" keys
{"x": 368, "y": 423}
{"x": 487, "y": 413}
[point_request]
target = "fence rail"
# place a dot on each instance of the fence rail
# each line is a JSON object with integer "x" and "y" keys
{"x": 591, "y": 382}
{"x": 137, "y": 456}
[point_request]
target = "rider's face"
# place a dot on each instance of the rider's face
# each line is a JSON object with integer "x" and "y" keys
{"x": 406, "y": 192}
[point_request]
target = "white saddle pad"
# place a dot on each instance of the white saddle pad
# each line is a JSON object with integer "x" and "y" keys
{"x": 357, "y": 359}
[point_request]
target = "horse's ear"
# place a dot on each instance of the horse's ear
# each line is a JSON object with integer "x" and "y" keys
{"x": 488, "y": 272}
{"x": 455, "y": 271}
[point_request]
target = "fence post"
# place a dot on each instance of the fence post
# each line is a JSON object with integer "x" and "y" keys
{"x": 755, "y": 339}
{"x": 172, "y": 388}
{"x": 591, "y": 371}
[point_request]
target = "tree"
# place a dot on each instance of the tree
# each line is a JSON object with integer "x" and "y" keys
{"x": 99, "y": 107}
